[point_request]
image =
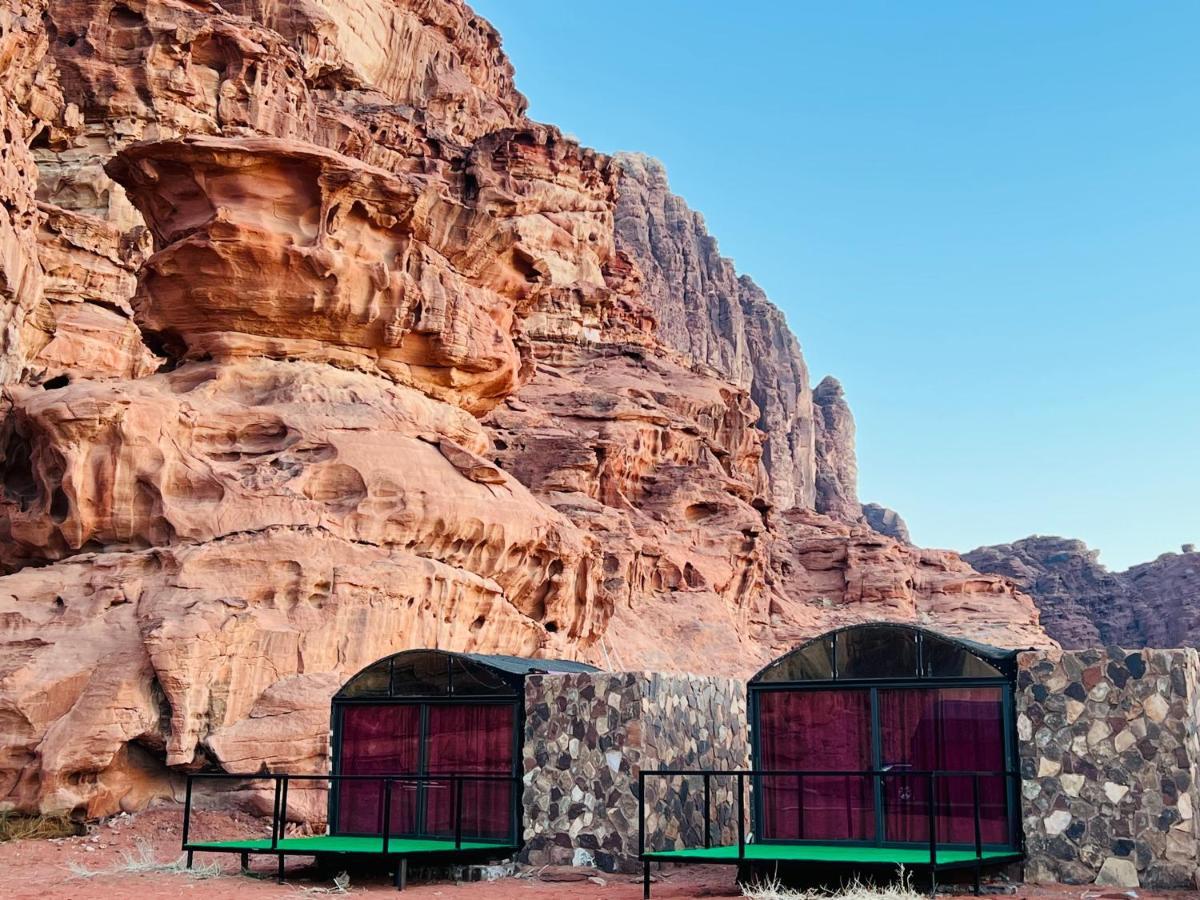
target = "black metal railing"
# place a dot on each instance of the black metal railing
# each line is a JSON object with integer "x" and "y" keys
{"x": 876, "y": 779}
{"x": 282, "y": 782}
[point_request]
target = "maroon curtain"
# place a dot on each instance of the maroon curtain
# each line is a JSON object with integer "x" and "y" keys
{"x": 471, "y": 739}
{"x": 378, "y": 740}
{"x": 816, "y": 731}
{"x": 946, "y": 729}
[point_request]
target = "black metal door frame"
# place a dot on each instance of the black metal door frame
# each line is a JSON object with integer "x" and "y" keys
{"x": 424, "y": 703}
{"x": 873, "y": 686}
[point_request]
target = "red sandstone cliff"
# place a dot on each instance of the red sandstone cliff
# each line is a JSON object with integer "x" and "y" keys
{"x": 315, "y": 348}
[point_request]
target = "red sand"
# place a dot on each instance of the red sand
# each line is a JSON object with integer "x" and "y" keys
{"x": 40, "y": 869}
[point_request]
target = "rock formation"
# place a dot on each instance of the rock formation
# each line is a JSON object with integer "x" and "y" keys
{"x": 837, "y": 464}
{"x": 720, "y": 321}
{"x": 886, "y": 521}
{"x": 1083, "y": 604}
{"x": 316, "y": 349}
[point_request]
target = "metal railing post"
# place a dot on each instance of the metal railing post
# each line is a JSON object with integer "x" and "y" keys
{"x": 800, "y": 805}
{"x": 275, "y": 813}
{"x": 978, "y": 826}
{"x": 741, "y": 814}
{"x": 283, "y": 800}
{"x": 457, "y": 784}
{"x": 387, "y": 813}
{"x": 187, "y": 811}
{"x": 707, "y": 812}
{"x": 641, "y": 813}
{"x": 932, "y": 820}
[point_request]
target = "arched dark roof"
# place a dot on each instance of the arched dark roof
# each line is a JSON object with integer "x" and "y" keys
{"x": 888, "y": 650}
{"x": 413, "y": 674}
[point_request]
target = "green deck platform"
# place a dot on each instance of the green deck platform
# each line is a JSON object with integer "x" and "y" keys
{"x": 343, "y": 844}
{"x": 827, "y": 853}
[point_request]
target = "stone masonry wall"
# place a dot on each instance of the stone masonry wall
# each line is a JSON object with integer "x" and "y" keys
{"x": 1109, "y": 761}
{"x": 587, "y": 736}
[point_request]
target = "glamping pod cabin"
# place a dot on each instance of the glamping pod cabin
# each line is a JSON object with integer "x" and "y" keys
{"x": 872, "y": 746}
{"x": 432, "y": 713}
{"x": 426, "y": 765}
{"x": 915, "y": 728}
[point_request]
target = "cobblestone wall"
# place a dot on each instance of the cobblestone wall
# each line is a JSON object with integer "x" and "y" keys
{"x": 1109, "y": 759}
{"x": 587, "y": 736}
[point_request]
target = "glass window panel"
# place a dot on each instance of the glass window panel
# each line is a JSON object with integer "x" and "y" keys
{"x": 378, "y": 739}
{"x": 421, "y": 675}
{"x": 814, "y": 731}
{"x": 947, "y": 730}
{"x": 472, "y": 679}
{"x": 371, "y": 683}
{"x": 877, "y": 652}
{"x": 945, "y": 659}
{"x": 813, "y": 662}
{"x": 471, "y": 738}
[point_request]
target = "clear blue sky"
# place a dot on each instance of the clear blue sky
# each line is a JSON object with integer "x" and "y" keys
{"x": 984, "y": 218}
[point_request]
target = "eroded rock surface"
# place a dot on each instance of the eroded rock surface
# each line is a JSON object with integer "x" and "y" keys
{"x": 720, "y": 321}
{"x": 1083, "y": 604}
{"x": 886, "y": 521}
{"x": 317, "y": 349}
{"x": 826, "y": 573}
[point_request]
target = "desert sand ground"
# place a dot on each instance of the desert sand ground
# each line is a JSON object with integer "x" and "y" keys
{"x": 55, "y": 870}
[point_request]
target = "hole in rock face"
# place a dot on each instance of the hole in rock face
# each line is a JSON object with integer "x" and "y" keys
{"x": 698, "y": 511}
{"x": 41, "y": 140}
{"x": 167, "y": 344}
{"x": 58, "y": 381}
{"x": 470, "y": 187}
{"x": 552, "y": 627}
{"x": 16, "y": 461}
{"x": 60, "y": 507}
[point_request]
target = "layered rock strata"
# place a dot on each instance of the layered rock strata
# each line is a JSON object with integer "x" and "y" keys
{"x": 720, "y": 321}
{"x": 317, "y": 349}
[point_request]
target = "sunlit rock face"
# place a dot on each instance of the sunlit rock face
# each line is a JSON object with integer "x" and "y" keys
{"x": 721, "y": 321}
{"x": 316, "y": 349}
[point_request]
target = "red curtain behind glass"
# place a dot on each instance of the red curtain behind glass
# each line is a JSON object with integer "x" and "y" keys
{"x": 949, "y": 729}
{"x": 378, "y": 740}
{"x": 816, "y": 730}
{"x": 472, "y": 739}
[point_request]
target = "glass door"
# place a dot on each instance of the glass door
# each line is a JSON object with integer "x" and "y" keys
{"x": 949, "y": 730}
{"x": 477, "y": 739}
{"x": 815, "y": 731}
{"x": 378, "y": 739}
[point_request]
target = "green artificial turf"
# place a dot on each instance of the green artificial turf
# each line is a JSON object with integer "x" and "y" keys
{"x": 835, "y": 853}
{"x": 344, "y": 844}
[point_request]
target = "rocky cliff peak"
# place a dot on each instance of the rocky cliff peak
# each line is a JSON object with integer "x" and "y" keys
{"x": 837, "y": 464}
{"x": 721, "y": 321}
{"x": 1083, "y": 604}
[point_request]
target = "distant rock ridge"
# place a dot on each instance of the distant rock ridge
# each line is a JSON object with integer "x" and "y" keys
{"x": 1083, "y": 604}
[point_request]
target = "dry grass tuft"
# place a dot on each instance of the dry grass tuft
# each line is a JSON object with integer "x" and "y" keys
{"x": 341, "y": 885}
{"x": 15, "y": 827}
{"x": 773, "y": 889}
{"x": 144, "y": 862}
